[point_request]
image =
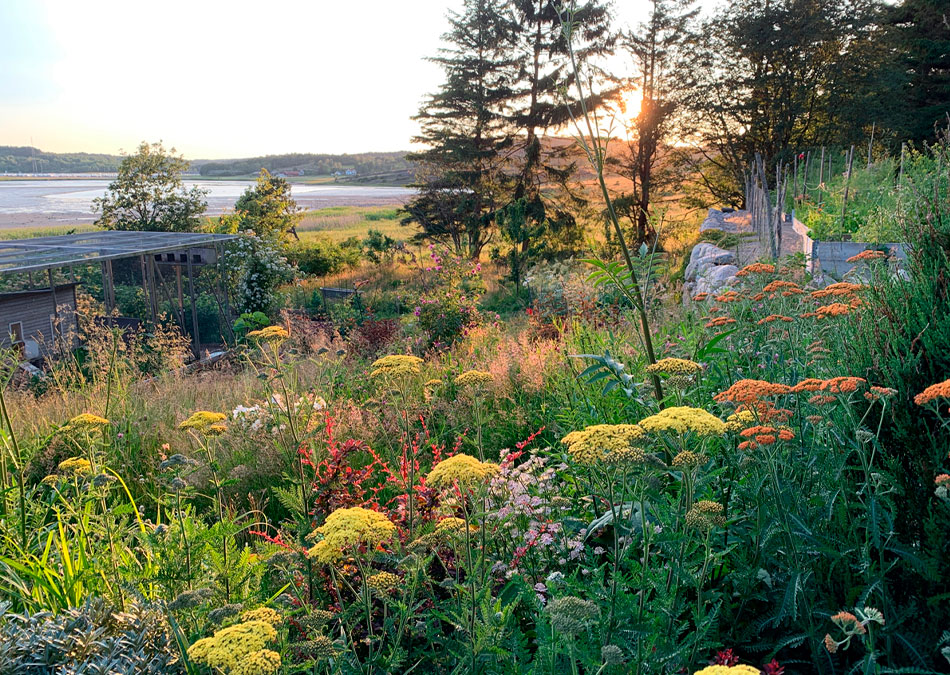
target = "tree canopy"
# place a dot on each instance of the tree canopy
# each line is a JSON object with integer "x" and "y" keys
{"x": 149, "y": 194}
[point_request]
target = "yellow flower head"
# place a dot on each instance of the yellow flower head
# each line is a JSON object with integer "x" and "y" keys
{"x": 348, "y": 529}
{"x": 87, "y": 422}
{"x": 263, "y": 614}
{"x": 687, "y": 459}
{"x": 681, "y": 419}
{"x": 728, "y": 670}
{"x": 600, "y": 441}
{"x": 269, "y": 334}
{"x": 671, "y": 366}
{"x": 204, "y": 422}
{"x": 74, "y": 466}
{"x": 474, "y": 378}
{"x": 462, "y": 469}
{"x": 229, "y": 646}
{"x": 263, "y": 662}
{"x": 319, "y": 647}
{"x": 396, "y": 365}
{"x": 383, "y": 582}
{"x": 738, "y": 421}
{"x": 705, "y": 514}
{"x": 452, "y": 524}
{"x": 431, "y": 384}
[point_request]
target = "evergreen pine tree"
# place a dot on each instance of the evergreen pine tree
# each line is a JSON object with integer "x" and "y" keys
{"x": 465, "y": 126}
{"x": 920, "y": 31}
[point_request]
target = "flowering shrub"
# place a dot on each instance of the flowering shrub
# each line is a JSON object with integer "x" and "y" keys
{"x": 448, "y": 305}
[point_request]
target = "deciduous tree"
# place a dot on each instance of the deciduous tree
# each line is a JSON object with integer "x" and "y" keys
{"x": 149, "y": 194}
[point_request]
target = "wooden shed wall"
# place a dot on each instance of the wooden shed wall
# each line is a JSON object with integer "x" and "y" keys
{"x": 35, "y": 309}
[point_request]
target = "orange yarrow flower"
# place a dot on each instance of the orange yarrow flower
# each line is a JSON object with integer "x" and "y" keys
{"x": 838, "y": 289}
{"x": 775, "y": 317}
{"x": 934, "y": 391}
{"x": 866, "y": 255}
{"x": 778, "y": 285}
{"x": 751, "y": 391}
{"x": 728, "y": 296}
{"x": 834, "y": 309}
{"x": 877, "y": 393}
{"x": 699, "y": 297}
{"x": 756, "y": 268}
{"x": 720, "y": 321}
{"x": 847, "y": 620}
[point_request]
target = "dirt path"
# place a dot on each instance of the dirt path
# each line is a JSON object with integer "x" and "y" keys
{"x": 750, "y": 249}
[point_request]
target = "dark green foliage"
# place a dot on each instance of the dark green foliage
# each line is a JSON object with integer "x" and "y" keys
{"x": 267, "y": 209}
{"x": 322, "y": 256}
{"x": 95, "y": 639}
{"x": 462, "y": 182}
{"x": 775, "y": 77}
{"x": 920, "y": 32}
{"x": 149, "y": 194}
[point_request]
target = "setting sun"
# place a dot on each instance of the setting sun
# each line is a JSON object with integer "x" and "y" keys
{"x": 630, "y": 102}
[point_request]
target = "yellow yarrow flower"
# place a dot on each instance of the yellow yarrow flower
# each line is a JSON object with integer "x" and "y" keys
{"x": 269, "y": 334}
{"x": 86, "y": 421}
{"x": 462, "y": 469}
{"x": 205, "y": 422}
{"x": 672, "y": 366}
{"x": 383, "y": 582}
{"x": 728, "y": 670}
{"x": 350, "y": 528}
{"x": 704, "y": 514}
{"x": 474, "y": 378}
{"x": 74, "y": 466}
{"x": 229, "y": 646}
{"x": 738, "y": 421}
{"x": 263, "y": 662}
{"x": 267, "y": 614}
{"x": 681, "y": 419}
{"x": 600, "y": 441}
{"x": 396, "y": 365}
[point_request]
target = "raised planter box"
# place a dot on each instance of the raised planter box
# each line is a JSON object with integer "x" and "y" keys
{"x": 831, "y": 257}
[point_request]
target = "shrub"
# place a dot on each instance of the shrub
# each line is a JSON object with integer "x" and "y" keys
{"x": 95, "y": 638}
{"x": 322, "y": 256}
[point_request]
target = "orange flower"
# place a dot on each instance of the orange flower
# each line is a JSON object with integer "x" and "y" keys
{"x": 877, "y": 393}
{"x": 805, "y": 315}
{"x": 942, "y": 479}
{"x": 934, "y": 391}
{"x": 751, "y": 391}
{"x": 729, "y": 296}
{"x": 786, "y": 434}
{"x": 756, "y": 268}
{"x": 820, "y": 399}
{"x": 834, "y": 309}
{"x": 808, "y": 384}
{"x": 775, "y": 317}
{"x": 840, "y": 288}
{"x": 699, "y": 297}
{"x": 815, "y": 419}
{"x": 866, "y": 255}
{"x": 847, "y": 620}
{"x": 842, "y": 385}
{"x": 720, "y": 321}
{"x": 779, "y": 284}
{"x": 792, "y": 291}
{"x": 747, "y": 445}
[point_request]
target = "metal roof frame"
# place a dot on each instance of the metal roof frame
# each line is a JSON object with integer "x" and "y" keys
{"x": 68, "y": 250}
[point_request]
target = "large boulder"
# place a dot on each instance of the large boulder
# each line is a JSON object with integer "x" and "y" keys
{"x": 706, "y": 255}
{"x": 715, "y": 277}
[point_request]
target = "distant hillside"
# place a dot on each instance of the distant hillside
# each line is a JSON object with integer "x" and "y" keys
{"x": 21, "y": 160}
{"x": 363, "y": 164}
{"x": 391, "y": 166}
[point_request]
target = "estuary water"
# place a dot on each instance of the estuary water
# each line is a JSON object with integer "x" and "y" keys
{"x": 68, "y": 201}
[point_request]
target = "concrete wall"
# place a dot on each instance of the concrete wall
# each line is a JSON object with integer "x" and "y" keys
{"x": 831, "y": 257}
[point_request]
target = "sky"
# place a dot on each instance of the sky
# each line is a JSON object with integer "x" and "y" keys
{"x": 221, "y": 79}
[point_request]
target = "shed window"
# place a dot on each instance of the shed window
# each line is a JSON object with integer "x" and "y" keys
{"x": 16, "y": 332}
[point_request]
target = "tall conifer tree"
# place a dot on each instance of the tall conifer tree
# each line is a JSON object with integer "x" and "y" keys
{"x": 466, "y": 128}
